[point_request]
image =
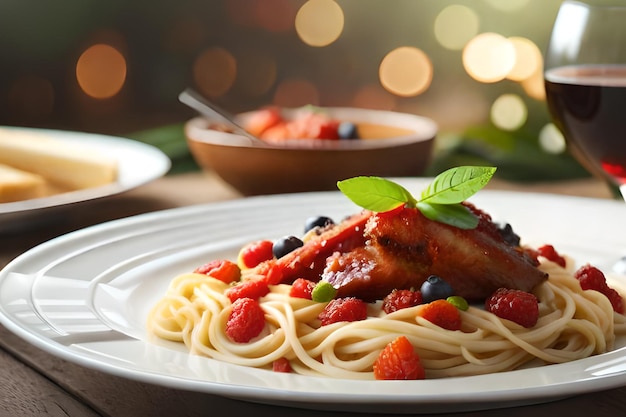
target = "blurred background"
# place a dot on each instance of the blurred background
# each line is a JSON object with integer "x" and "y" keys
{"x": 117, "y": 67}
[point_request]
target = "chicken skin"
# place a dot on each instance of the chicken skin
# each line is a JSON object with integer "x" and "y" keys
{"x": 370, "y": 254}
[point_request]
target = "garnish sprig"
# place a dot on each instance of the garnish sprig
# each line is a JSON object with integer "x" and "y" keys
{"x": 439, "y": 201}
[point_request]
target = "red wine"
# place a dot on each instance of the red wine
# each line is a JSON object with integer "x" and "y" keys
{"x": 588, "y": 104}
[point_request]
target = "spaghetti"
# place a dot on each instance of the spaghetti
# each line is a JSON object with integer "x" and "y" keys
{"x": 573, "y": 324}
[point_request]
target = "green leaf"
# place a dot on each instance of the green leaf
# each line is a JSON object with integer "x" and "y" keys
{"x": 453, "y": 214}
{"x": 375, "y": 193}
{"x": 457, "y": 184}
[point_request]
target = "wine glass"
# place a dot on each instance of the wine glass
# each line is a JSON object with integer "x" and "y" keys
{"x": 585, "y": 81}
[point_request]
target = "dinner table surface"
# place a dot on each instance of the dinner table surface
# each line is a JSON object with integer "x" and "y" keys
{"x": 33, "y": 382}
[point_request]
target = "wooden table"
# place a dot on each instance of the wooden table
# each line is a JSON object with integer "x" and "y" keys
{"x": 35, "y": 383}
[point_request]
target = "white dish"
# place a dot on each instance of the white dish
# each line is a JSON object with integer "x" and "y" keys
{"x": 139, "y": 163}
{"x": 85, "y": 297}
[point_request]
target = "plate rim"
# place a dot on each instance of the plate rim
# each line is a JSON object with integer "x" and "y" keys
{"x": 160, "y": 165}
{"x": 295, "y": 398}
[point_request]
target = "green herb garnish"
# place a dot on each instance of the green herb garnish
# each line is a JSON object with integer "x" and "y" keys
{"x": 440, "y": 201}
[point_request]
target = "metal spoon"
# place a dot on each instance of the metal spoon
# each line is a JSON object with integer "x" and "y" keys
{"x": 197, "y": 102}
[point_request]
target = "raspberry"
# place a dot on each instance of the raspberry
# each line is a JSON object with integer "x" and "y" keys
{"x": 343, "y": 309}
{"x": 246, "y": 320}
{"x": 518, "y": 306}
{"x": 248, "y": 289}
{"x": 591, "y": 278}
{"x": 224, "y": 270}
{"x": 441, "y": 313}
{"x": 398, "y": 360}
{"x": 281, "y": 365}
{"x": 548, "y": 252}
{"x": 254, "y": 253}
{"x": 399, "y": 299}
{"x": 616, "y": 300}
{"x": 301, "y": 288}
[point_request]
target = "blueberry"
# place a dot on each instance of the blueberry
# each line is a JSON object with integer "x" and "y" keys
{"x": 509, "y": 236}
{"x": 319, "y": 221}
{"x": 347, "y": 130}
{"x": 435, "y": 288}
{"x": 285, "y": 245}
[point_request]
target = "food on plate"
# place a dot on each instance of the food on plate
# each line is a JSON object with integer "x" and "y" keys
{"x": 408, "y": 288}
{"x": 310, "y": 122}
{"x": 63, "y": 165}
{"x": 16, "y": 185}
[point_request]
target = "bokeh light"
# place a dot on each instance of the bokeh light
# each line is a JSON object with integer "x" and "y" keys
{"x": 509, "y": 112}
{"x": 31, "y": 97}
{"x": 406, "y": 71}
{"x": 296, "y": 92}
{"x": 534, "y": 85}
{"x": 528, "y": 59}
{"x": 319, "y": 22}
{"x": 455, "y": 25}
{"x": 489, "y": 57}
{"x": 101, "y": 71}
{"x": 214, "y": 71}
{"x": 551, "y": 139}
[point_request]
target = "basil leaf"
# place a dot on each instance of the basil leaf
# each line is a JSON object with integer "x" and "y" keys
{"x": 375, "y": 193}
{"x": 452, "y": 214}
{"x": 457, "y": 184}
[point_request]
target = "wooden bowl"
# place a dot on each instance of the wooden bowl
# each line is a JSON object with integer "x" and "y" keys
{"x": 392, "y": 145}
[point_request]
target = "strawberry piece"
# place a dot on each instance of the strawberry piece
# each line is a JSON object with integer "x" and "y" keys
{"x": 254, "y": 253}
{"x": 518, "y": 306}
{"x": 302, "y": 288}
{"x": 263, "y": 119}
{"x": 591, "y": 278}
{"x": 246, "y": 320}
{"x": 277, "y": 133}
{"x": 399, "y": 361}
{"x": 253, "y": 289}
{"x": 343, "y": 309}
{"x": 399, "y": 299}
{"x": 281, "y": 365}
{"x": 441, "y": 313}
{"x": 224, "y": 270}
{"x": 548, "y": 252}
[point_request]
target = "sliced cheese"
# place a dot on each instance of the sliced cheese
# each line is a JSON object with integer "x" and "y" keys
{"x": 63, "y": 163}
{"x": 17, "y": 185}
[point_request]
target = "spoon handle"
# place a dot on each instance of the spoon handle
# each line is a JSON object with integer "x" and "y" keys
{"x": 197, "y": 102}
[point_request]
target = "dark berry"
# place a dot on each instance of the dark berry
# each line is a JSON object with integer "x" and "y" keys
{"x": 246, "y": 320}
{"x": 509, "y": 235}
{"x": 347, "y": 130}
{"x": 518, "y": 306}
{"x": 399, "y": 299}
{"x": 319, "y": 221}
{"x": 285, "y": 245}
{"x": 343, "y": 309}
{"x": 435, "y": 288}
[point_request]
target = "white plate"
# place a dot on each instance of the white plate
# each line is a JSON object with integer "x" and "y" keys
{"x": 138, "y": 163}
{"x": 85, "y": 297}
